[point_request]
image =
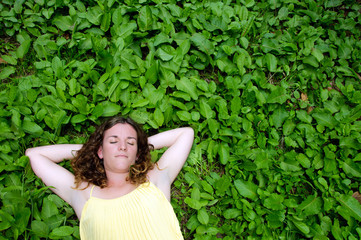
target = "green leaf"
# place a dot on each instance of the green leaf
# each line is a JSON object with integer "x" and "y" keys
{"x": 301, "y": 226}
{"x": 153, "y": 95}
{"x": 344, "y": 51}
{"x": 65, "y": 23}
{"x": 6, "y": 220}
{"x": 167, "y": 78}
{"x": 48, "y": 209}
{"x": 140, "y": 103}
{"x": 283, "y": 13}
{"x": 81, "y": 103}
{"x": 223, "y": 152}
{"x": 205, "y": 109}
{"x": 187, "y": 86}
{"x": 48, "y": 12}
{"x": 6, "y": 72}
{"x": 279, "y": 116}
{"x": 350, "y": 142}
{"x": 178, "y": 104}
{"x": 275, "y": 218}
{"x": 9, "y": 59}
{"x": 58, "y": 67}
{"x": 13, "y": 180}
{"x": 140, "y": 116}
{"x": 207, "y": 187}
{"x": 158, "y": 117}
{"x": 278, "y": 95}
{"x": 196, "y": 193}
{"x": 352, "y": 169}
{"x": 105, "y": 22}
{"x": 78, "y": 118}
{"x": 32, "y": 127}
{"x": 325, "y": 119}
{"x": 355, "y": 114}
{"x": 351, "y": 205}
{"x": 333, "y": 3}
{"x": 274, "y": 202}
{"x": 304, "y": 116}
{"x": 203, "y": 216}
{"x": 165, "y": 54}
{"x": 290, "y": 166}
{"x": 336, "y": 230}
{"x": 246, "y": 189}
{"x": 330, "y": 165}
{"x": 195, "y": 116}
{"x": 18, "y": 6}
{"x": 42, "y": 64}
{"x": 161, "y": 38}
{"x": 195, "y": 204}
{"x": 311, "y": 206}
{"x": 184, "y": 47}
{"x": 145, "y": 19}
{"x": 184, "y": 115}
{"x": 203, "y": 43}
{"x": 94, "y": 15}
{"x": 303, "y": 160}
{"x": 222, "y": 185}
{"x": 311, "y": 60}
{"x": 288, "y": 127}
{"x": 23, "y": 48}
{"x": 232, "y": 213}
{"x": 117, "y": 17}
{"x": 269, "y": 45}
{"x": 271, "y": 62}
{"x": 40, "y": 228}
{"x": 62, "y": 231}
{"x": 152, "y": 73}
{"x": 110, "y": 109}
{"x": 317, "y": 54}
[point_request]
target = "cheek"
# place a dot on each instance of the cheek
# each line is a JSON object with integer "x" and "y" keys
{"x": 136, "y": 150}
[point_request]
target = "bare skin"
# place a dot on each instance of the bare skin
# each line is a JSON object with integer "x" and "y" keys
{"x": 119, "y": 151}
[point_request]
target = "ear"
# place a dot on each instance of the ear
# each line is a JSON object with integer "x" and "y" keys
{"x": 100, "y": 152}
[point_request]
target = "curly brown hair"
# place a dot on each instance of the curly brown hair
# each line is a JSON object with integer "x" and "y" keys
{"x": 88, "y": 167}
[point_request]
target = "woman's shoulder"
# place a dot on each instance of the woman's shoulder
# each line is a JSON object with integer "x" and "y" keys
{"x": 80, "y": 196}
{"x": 160, "y": 180}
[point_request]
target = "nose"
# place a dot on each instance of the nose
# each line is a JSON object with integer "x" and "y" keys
{"x": 122, "y": 145}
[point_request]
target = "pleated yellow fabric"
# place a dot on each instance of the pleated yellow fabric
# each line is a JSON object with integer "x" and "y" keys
{"x": 143, "y": 214}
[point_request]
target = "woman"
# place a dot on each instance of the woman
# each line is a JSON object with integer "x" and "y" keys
{"x": 116, "y": 191}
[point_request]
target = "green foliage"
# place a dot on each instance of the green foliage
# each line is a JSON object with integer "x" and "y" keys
{"x": 272, "y": 89}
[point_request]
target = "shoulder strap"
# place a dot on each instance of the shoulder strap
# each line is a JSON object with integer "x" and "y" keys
{"x": 91, "y": 191}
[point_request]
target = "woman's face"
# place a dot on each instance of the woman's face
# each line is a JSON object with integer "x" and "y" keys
{"x": 119, "y": 149}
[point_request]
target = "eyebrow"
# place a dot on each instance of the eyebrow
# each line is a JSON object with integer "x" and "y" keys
{"x": 115, "y": 136}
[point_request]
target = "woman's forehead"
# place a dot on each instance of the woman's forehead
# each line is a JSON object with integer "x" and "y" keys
{"x": 121, "y": 129}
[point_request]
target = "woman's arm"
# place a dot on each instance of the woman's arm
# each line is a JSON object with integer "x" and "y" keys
{"x": 179, "y": 143}
{"x": 44, "y": 162}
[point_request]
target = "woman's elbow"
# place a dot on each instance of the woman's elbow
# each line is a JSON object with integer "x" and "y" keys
{"x": 189, "y": 132}
{"x": 30, "y": 153}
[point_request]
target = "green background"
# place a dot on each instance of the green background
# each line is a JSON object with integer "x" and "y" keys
{"x": 271, "y": 88}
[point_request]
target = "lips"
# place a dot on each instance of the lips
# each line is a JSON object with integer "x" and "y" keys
{"x": 121, "y": 156}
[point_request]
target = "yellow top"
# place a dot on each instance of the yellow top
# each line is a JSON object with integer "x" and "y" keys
{"x": 143, "y": 214}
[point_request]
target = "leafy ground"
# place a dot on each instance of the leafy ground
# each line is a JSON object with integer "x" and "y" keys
{"x": 272, "y": 89}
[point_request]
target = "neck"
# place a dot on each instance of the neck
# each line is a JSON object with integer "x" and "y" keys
{"x": 117, "y": 179}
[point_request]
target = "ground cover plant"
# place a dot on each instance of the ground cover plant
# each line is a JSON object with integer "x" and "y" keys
{"x": 272, "y": 89}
